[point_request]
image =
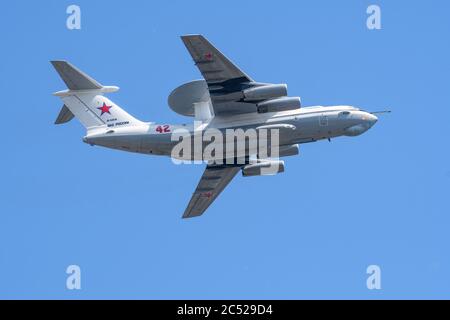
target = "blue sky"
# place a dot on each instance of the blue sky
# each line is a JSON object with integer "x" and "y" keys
{"x": 309, "y": 233}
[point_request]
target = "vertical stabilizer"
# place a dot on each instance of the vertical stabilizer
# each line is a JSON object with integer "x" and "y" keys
{"x": 85, "y": 100}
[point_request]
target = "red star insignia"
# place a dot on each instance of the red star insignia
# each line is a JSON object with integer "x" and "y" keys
{"x": 208, "y": 195}
{"x": 105, "y": 109}
{"x": 208, "y": 56}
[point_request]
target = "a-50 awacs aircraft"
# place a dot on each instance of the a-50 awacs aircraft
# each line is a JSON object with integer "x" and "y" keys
{"x": 227, "y": 98}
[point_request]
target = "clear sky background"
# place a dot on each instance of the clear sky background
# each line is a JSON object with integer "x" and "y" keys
{"x": 381, "y": 198}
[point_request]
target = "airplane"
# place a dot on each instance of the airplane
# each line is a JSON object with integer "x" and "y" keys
{"x": 226, "y": 98}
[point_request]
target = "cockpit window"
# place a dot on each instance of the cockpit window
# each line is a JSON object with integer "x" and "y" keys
{"x": 344, "y": 114}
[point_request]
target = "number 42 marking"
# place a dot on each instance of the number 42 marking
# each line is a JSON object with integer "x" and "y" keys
{"x": 163, "y": 129}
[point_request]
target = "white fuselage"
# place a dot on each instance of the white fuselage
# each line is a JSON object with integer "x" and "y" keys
{"x": 304, "y": 125}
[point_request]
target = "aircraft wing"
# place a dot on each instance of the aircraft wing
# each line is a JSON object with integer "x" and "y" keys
{"x": 224, "y": 79}
{"x": 213, "y": 65}
{"x": 212, "y": 183}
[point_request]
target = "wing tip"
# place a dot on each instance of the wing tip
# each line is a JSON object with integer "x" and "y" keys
{"x": 57, "y": 63}
{"x": 188, "y": 37}
{"x": 190, "y": 215}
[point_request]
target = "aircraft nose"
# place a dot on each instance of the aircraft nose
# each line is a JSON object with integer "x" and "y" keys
{"x": 372, "y": 119}
{"x": 367, "y": 121}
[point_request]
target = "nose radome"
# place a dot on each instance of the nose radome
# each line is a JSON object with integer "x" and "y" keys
{"x": 370, "y": 119}
{"x": 367, "y": 121}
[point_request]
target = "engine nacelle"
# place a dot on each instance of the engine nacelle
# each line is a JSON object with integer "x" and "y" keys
{"x": 280, "y": 104}
{"x": 263, "y": 168}
{"x": 264, "y": 92}
{"x": 289, "y": 151}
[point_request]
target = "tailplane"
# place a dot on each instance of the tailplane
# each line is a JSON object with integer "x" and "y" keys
{"x": 85, "y": 100}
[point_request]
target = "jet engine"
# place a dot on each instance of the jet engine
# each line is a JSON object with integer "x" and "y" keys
{"x": 289, "y": 151}
{"x": 264, "y": 92}
{"x": 263, "y": 168}
{"x": 279, "y": 104}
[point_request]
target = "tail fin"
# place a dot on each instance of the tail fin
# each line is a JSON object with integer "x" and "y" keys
{"x": 85, "y": 100}
{"x": 65, "y": 115}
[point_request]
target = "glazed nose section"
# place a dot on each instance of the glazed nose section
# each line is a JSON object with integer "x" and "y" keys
{"x": 356, "y": 130}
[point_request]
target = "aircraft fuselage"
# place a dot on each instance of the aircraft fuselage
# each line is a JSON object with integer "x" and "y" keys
{"x": 304, "y": 125}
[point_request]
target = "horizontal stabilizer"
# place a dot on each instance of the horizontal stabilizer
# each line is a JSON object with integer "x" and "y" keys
{"x": 65, "y": 115}
{"x": 74, "y": 78}
{"x": 85, "y": 100}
